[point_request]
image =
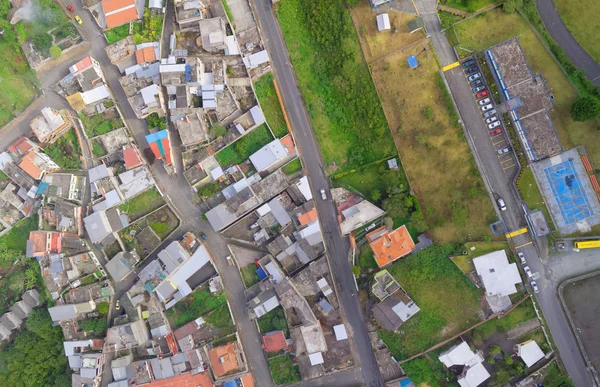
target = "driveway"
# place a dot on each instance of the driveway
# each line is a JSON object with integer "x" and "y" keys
{"x": 499, "y": 184}
{"x": 563, "y": 37}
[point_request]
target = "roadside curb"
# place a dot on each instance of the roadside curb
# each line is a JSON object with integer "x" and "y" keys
{"x": 574, "y": 331}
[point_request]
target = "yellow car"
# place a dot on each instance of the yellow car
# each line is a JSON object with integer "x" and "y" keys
{"x": 79, "y": 21}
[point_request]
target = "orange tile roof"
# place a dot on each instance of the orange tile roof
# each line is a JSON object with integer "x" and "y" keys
{"x": 248, "y": 380}
{"x": 391, "y": 245}
{"x": 146, "y": 54}
{"x": 39, "y": 242}
{"x": 274, "y": 341}
{"x": 223, "y": 359}
{"x": 184, "y": 380}
{"x": 119, "y": 12}
{"x": 288, "y": 142}
{"x": 30, "y": 167}
{"x": 308, "y": 217}
{"x": 132, "y": 157}
{"x": 167, "y": 147}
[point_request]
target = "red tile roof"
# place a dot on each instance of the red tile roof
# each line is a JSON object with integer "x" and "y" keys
{"x": 145, "y": 55}
{"x": 45, "y": 242}
{"x": 132, "y": 157}
{"x": 223, "y": 359}
{"x": 83, "y": 64}
{"x": 167, "y": 147}
{"x": 274, "y": 341}
{"x": 248, "y": 380}
{"x": 185, "y": 380}
{"x": 119, "y": 12}
{"x": 20, "y": 147}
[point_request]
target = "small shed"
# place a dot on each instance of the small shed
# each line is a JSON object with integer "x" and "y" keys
{"x": 340, "y": 332}
{"x": 383, "y": 22}
{"x": 412, "y": 62}
{"x": 316, "y": 358}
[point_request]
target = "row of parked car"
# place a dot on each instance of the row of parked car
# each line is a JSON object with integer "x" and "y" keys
{"x": 528, "y": 272}
{"x": 481, "y": 93}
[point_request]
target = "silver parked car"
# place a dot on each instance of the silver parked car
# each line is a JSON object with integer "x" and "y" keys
{"x": 503, "y": 151}
{"x": 522, "y": 258}
{"x": 534, "y": 287}
{"x": 487, "y": 107}
{"x": 484, "y": 101}
{"x": 491, "y": 119}
{"x": 489, "y": 114}
{"x": 474, "y": 77}
{"x": 494, "y": 125}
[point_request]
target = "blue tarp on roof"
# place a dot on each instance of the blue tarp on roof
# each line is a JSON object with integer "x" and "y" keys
{"x": 154, "y": 137}
{"x": 261, "y": 274}
{"x": 230, "y": 383}
{"x": 405, "y": 382}
{"x": 41, "y": 188}
{"x": 412, "y": 61}
{"x": 188, "y": 73}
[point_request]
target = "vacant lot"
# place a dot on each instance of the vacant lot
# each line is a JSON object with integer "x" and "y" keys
{"x": 522, "y": 313}
{"x": 292, "y": 167}
{"x": 581, "y": 18}
{"x": 284, "y": 370}
{"x": 239, "y": 151}
{"x": 335, "y": 83}
{"x": 435, "y": 155}
{"x": 579, "y": 296}
{"x": 475, "y": 34}
{"x": 17, "y": 80}
{"x": 532, "y": 195}
{"x": 197, "y": 304}
{"x": 142, "y": 204}
{"x": 375, "y": 43}
{"x": 101, "y": 123}
{"x": 265, "y": 92}
{"x": 273, "y": 321}
{"x": 249, "y": 275}
{"x": 16, "y": 238}
{"x": 65, "y": 151}
{"x": 431, "y": 280}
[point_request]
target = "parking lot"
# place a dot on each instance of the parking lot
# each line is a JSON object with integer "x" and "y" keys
{"x": 491, "y": 115}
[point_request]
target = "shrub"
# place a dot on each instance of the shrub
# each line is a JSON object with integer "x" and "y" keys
{"x": 584, "y": 109}
{"x": 55, "y": 52}
{"x": 102, "y": 307}
{"x": 42, "y": 42}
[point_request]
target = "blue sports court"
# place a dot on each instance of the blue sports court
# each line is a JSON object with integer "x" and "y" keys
{"x": 568, "y": 192}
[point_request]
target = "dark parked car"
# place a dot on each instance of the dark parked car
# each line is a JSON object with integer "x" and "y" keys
{"x": 476, "y": 83}
{"x": 468, "y": 63}
{"x": 478, "y": 89}
{"x": 203, "y": 236}
{"x": 471, "y": 70}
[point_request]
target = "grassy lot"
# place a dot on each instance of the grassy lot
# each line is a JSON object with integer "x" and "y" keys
{"x": 435, "y": 155}
{"x": 249, "y": 275}
{"x": 284, "y": 370}
{"x": 292, "y": 167}
{"x": 468, "y": 5}
{"x": 197, "y": 304}
{"x": 97, "y": 148}
{"x": 474, "y": 34}
{"x": 520, "y": 314}
{"x": 335, "y": 83}
{"x": 163, "y": 222}
{"x": 366, "y": 259}
{"x": 118, "y": 33}
{"x": 431, "y": 279}
{"x": 97, "y": 125}
{"x": 65, "y": 151}
{"x": 142, "y": 204}
{"x": 220, "y": 318}
{"x": 273, "y": 321}
{"x": 239, "y": 151}
{"x": 15, "y": 239}
{"x": 531, "y": 193}
{"x": 265, "y": 92}
{"x": 581, "y": 18}
{"x": 376, "y": 43}
{"x": 426, "y": 371}
{"x": 464, "y": 262}
{"x": 150, "y": 28}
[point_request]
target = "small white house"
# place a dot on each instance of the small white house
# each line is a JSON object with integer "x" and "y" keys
{"x": 530, "y": 352}
{"x": 383, "y": 22}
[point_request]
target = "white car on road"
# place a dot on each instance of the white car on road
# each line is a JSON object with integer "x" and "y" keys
{"x": 527, "y": 271}
{"x": 534, "y": 287}
{"x": 323, "y": 194}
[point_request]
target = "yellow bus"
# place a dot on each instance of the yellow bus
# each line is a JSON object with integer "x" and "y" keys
{"x": 587, "y": 244}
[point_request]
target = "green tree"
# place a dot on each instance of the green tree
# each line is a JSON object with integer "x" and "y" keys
{"x": 375, "y": 195}
{"x": 494, "y": 349}
{"x": 509, "y": 6}
{"x": 584, "y": 109}
{"x": 217, "y": 131}
{"x": 398, "y": 206}
{"x": 102, "y": 307}
{"x": 55, "y": 52}
{"x": 42, "y": 42}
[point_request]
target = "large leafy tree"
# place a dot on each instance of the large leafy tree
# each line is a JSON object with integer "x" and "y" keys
{"x": 585, "y": 108}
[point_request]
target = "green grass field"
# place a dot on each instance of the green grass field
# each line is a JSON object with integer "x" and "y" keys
{"x": 581, "y": 18}
{"x": 115, "y": 34}
{"x": 239, "y": 151}
{"x": 292, "y": 167}
{"x": 520, "y": 314}
{"x": 481, "y": 248}
{"x": 468, "y": 5}
{"x": 284, "y": 370}
{"x": 335, "y": 83}
{"x": 449, "y": 302}
{"x": 16, "y": 238}
{"x": 66, "y": 151}
{"x": 197, "y": 304}
{"x": 265, "y": 92}
{"x": 142, "y": 204}
{"x": 475, "y": 34}
{"x": 249, "y": 275}
{"x": 531, "y": 193}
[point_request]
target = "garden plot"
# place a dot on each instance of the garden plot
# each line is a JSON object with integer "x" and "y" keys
{"x": 146, "y": 234}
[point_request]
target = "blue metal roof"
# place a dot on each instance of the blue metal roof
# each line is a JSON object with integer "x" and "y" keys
{"x": 153, "y": 137}
{"x": 412, "y": 61}
{"x": 261, "y": 274}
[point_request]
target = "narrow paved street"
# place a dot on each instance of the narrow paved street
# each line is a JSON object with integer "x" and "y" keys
{"x": 499, "y": 183}
{"x": 336, "y": 245}
{"x": 563, "y": 37}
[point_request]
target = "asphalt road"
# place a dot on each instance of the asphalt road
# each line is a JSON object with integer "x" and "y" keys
{"x": 336, "y": 245}
{"x": 498, "y": 179}
{"x": 563, "y": 37}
